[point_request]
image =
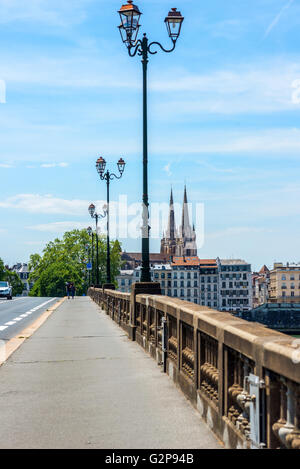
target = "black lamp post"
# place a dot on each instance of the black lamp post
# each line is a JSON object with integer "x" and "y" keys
{"x": 92, "y": 212}
{"x": 91, "y": 254}
{"x": 129, "y": 28}
{"x": 107, "y": 176}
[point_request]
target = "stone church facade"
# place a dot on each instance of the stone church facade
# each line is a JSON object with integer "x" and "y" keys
{"x": 179, "y": 242}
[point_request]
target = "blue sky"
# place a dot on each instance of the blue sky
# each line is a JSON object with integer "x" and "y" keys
{"x": 224, "y": 114}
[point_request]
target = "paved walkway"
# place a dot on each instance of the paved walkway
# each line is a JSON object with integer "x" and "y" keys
{"x": 78, "y": 382}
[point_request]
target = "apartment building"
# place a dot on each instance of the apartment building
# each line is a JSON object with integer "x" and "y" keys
{"x": 235, "y": 285}
{"x": 125, "y": 280}
{"x": 284, "y": 284}
{"x": 186, "y": 278}
{"x": 23, "y": 272}
{"x": 209, "y": 283}
{"x": 224, "y": 285}
{"x": 260, "y": 285}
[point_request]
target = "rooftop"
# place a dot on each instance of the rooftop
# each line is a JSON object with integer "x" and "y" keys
{"x": 233, "y": 262}
{"x": 186, "y": 260}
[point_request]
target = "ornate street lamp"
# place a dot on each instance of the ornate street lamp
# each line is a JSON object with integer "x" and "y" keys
{"x": 92, "y": 212}
{"x": 129, "y": 28}
{"x": 130, "y": 18}
{"x": 107, "y": 176}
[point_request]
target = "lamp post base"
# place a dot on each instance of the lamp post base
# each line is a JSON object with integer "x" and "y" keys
{"x": 108, "y": 286}
{"x": 151, "y": 288}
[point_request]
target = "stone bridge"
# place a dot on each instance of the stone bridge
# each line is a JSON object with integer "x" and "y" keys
{"x": 243, "y": 378}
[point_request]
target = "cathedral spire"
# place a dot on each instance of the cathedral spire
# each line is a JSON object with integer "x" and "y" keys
{"x": 185, "y": 221}
{"x": 171, "y": 197}
{"x": 185, "y": 196}
{"x": 171, "y": 222}
{"x": 168, "y": 243}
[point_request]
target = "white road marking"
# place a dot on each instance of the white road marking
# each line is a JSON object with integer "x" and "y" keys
{"x": 13, "y": 300}
{"x": 24, "y": 315}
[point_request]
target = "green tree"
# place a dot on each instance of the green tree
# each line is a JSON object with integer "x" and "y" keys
{"x": 64, "y": 260}
{"x": 15, "y": 281}
{"x": 2, "y": 270}
{"x": 12, "y": 278}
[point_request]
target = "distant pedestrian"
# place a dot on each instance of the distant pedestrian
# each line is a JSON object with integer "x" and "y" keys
{"x": 72, "y": 290}
{"x": 68, "y": 289}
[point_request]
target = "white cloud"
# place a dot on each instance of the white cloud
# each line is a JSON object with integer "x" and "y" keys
{"x": 36, "y": 203}
{"x": 59, "y": 227}
{"x": 277, "y": 17}
{"x": 51, "y": 12}
{"x": 54, "y": 165}
{"x": 6, "y": 165}
{"x": 81, "y": 69}
{"x": 247, "y": 88}
{"x": 267, "y": 142}
{"x": 167, "y": 169}
{"x": 236, "y": 231}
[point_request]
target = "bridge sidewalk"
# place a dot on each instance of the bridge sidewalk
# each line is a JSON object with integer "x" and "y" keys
{"x": 78, "y": 382}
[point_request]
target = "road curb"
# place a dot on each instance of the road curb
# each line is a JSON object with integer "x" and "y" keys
{"x": 13, "y": 344}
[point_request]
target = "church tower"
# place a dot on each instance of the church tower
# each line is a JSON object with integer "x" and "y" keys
{"x": 186, "y": 243}
{"x": 168, "y": 243}
{"x": 182, "y": 242}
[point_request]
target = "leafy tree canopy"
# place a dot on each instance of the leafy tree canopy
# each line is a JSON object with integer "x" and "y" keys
{"x": 64, "y": 260}
{"x": 2, "y": 270}
{"x": 12, "y": 278}
{"x": 16, "y": 283}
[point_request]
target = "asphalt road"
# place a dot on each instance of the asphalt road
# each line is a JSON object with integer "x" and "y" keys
{"x": 18, "y": 313}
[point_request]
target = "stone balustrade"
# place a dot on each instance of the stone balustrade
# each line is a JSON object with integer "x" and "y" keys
{"x": 212, "y": 356}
